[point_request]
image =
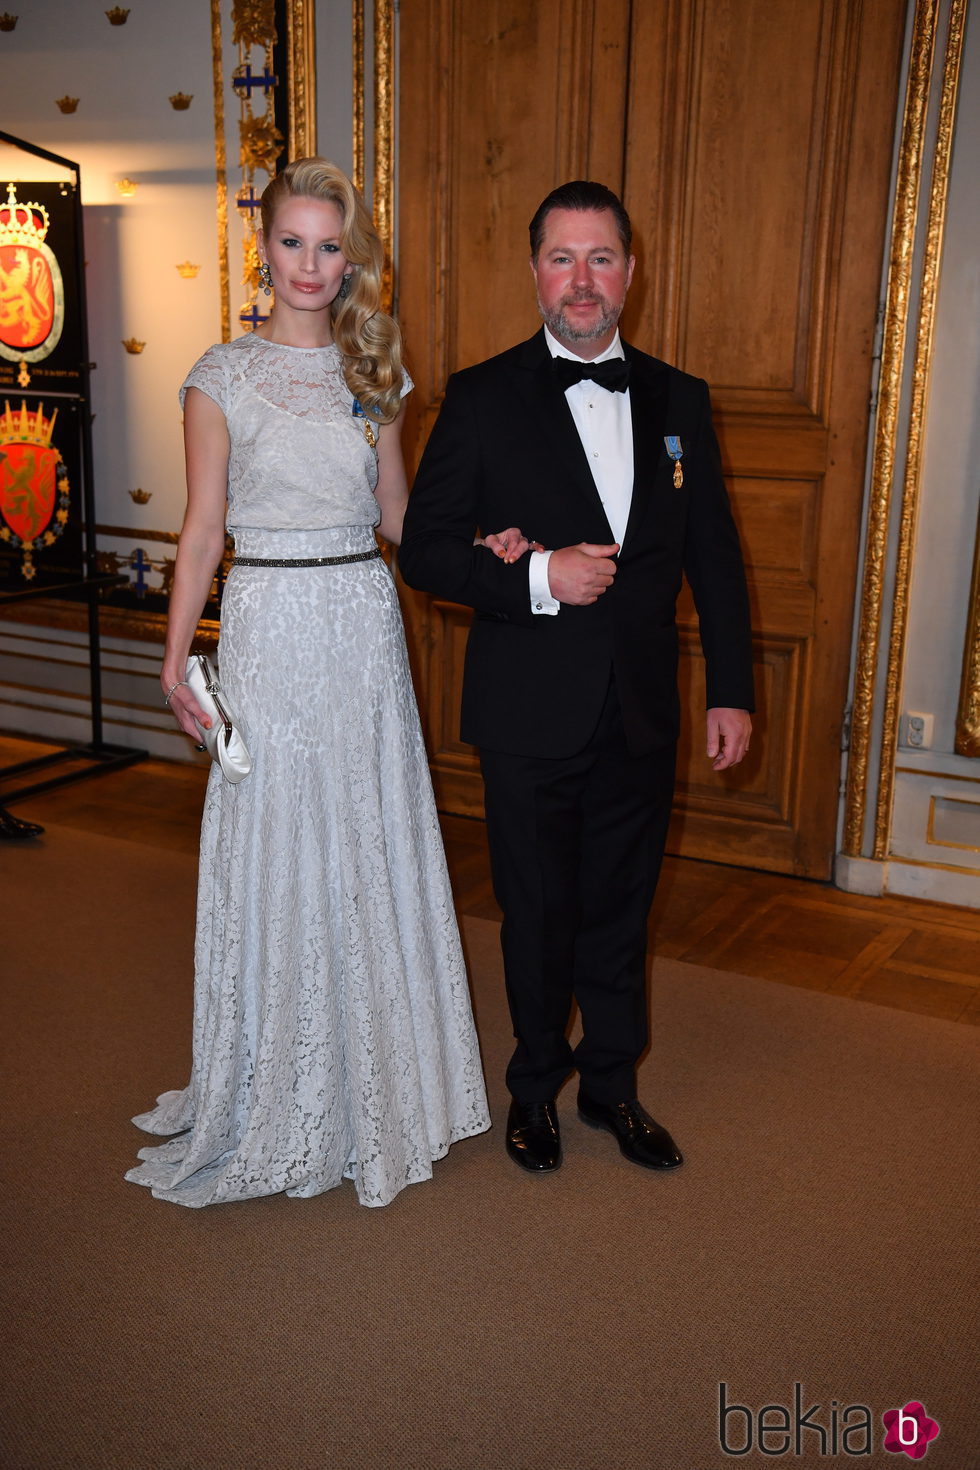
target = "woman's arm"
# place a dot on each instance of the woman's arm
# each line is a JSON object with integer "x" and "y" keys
{"x": 202, "y": 542}
{"x": 391, "y": 492}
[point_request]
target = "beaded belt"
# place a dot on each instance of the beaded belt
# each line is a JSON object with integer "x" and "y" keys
{"x": 306, "y": 561}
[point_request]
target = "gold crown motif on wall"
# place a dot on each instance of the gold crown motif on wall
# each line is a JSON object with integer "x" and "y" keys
{"x": 140, "y": 496}
{"x": 187, "y": 270}
{"x": 180, "y": 101}
{"x": 133, "y": 344}
{"x": 117, "y": 16}
{"x": 22, "y": 224}
{"x": 66, "y": 103}
{"x": 8, "y": 21}
{"x": 127, "y": 187}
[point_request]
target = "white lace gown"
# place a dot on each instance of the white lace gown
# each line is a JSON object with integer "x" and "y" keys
{"x": 333, "y": 1036}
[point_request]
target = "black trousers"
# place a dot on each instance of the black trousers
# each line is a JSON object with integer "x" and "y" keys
{"x": 575, "y": 850}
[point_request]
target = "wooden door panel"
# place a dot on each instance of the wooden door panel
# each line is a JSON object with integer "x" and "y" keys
{"x": 751, "y": 142}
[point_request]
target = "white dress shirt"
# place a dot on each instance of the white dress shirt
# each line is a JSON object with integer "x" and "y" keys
{"x": 605, "y": 427}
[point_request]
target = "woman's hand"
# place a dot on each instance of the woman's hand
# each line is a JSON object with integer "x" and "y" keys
{"x": 510, "y": 545}
{"x": 184, "y": 708}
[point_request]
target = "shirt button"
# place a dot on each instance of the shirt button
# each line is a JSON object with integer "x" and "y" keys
{"x": 537, "y": 607}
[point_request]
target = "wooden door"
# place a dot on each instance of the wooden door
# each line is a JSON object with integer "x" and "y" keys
{"x": 751, "y": 143}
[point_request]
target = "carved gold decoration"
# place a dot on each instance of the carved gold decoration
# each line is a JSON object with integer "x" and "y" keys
{"x": 187, "y": 270}
{"x": 141, "y": 497}
{"x": 382, "y": 199}
{"x": 968, "y": 714}
{"x": 921, "y": 370}
{"x": 180, "y": 101}
{"x": 262, "y": 144}
{"x": 8, "y": 21}
{"x": 220, "y": 169}
{"x": 66, "y": 103}
{"x": 251, "y": 264}
{"x": 133, "y": 345}
{"x": 904, "y": 217}
{"x": 23, "y": 374}
{"x": 358, "y": 175}
{"x": 254, "y": 23}
{"x": 117, "y": 16}
{"x": 127, "y": 187}
{"x": 301, "y": 44}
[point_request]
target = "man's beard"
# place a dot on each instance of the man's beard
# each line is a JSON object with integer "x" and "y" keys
{"x": 559, "y": 326}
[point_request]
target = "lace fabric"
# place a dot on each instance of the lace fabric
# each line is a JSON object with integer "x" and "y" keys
{"x": 299, "y": 458}
{"x": 333, "y": 1035}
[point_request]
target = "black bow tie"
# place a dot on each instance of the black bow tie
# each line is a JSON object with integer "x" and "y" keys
{"x": 613, "y": 374}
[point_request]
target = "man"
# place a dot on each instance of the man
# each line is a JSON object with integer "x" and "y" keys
{"x": 570, "y": 679}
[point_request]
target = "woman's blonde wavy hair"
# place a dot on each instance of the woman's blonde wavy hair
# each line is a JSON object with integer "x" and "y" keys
{"x": 369, "y": 340}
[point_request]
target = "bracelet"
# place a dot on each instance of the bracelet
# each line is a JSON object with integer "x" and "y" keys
{"x": 166, "y": 702}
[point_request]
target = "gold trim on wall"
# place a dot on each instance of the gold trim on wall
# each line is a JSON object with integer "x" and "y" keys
{"x": 921, "y": 372}
{"x": 383, "y": 196}
{"x": 220, "y": 169}
{"x": 904, "y": 218}
{"x": 968, "y": 714}
{"x": 301, "y": 44}
{"x": 357, "y": 84}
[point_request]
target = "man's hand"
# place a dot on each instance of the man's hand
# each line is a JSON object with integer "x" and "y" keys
{"x": 580, "y": 574}
{"x": 728, "y": 737}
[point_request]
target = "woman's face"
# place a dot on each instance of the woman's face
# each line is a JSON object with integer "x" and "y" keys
{"x": 304, "y": 254}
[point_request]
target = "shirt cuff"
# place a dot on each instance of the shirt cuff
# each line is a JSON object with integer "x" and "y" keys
{"x": 537, "y": 581}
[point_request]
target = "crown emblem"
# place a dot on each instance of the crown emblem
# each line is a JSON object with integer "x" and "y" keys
{"x": 22, "y": 224}
{"x": 117, "y": 16}
{"x": 66, "y": 103}
{"x": 187, "y": 270}
{"x": 133, "y": 344}
{"x": 23, "y": 428}
{"x": 127, "y": 187}
{"x": 8, "y": 21}
{"x": 180, "y": 101}
{"x": 140, "y": 496}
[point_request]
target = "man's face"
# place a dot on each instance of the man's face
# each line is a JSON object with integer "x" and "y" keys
{"x": 582, "y": 275}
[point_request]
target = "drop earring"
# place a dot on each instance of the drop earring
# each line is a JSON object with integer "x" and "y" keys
{"x": 265, "y": 278}
{"x": 344, "y": 291}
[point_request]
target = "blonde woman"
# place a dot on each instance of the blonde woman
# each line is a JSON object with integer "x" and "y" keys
{"x": 333, "y": 1036}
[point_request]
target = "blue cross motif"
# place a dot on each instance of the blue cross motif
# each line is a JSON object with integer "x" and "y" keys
{"x": 248, "y": 200}
{"x": 141, "y": 564}
{"x": 244, "y": 81}
{"x": 250, "y": 316}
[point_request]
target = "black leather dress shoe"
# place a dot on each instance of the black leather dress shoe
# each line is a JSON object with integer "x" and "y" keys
{"x": 641, "y": 1138}
{"x": 12, "y": 829}
{"x": 533, "y": 1139}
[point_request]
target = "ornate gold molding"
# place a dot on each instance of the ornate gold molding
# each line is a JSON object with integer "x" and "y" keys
{"x": 968, "y": 714}
{"x": 357, "y": 81}
{"x": 921, "y": 371}
{"x": 301, "y": 43}
{"x": 383, "y": 196}
{"x": 220, "y": 169}
{"x": 904, "y": 217}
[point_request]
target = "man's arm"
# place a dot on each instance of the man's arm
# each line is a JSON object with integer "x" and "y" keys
{"x": 437, "y": 552}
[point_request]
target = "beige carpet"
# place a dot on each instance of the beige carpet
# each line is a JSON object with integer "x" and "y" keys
{"x": 819, "y": 1233}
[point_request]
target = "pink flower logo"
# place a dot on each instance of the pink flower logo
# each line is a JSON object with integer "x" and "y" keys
{"x": 910, "y": 1430}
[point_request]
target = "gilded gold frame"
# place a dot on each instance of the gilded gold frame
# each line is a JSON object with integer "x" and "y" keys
{"x": 968, "y": 714}
{"x": 883, "y": 469}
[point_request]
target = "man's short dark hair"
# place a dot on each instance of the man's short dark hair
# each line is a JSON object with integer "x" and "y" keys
{"x": 584, "y": 195}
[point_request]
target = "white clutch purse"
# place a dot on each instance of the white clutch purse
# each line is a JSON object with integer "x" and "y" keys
{"x": 224, "y": 740}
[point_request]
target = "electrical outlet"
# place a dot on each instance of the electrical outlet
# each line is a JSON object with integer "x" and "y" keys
{"x": 918, "y": 730}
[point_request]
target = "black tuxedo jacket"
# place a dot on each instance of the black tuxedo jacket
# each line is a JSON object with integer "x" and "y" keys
{"x": 505, "y": 452}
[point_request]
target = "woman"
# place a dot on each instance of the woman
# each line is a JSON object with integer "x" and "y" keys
{"x": 333, "y": 1036}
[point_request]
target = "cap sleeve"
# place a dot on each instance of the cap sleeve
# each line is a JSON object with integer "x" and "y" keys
{"x": 407, "y": 384}
{"x": 210, "y": 374}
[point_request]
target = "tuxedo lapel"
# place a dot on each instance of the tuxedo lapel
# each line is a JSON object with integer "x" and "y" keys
{"x": 552, "y": 420}
{"x": 648, "y": 408}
